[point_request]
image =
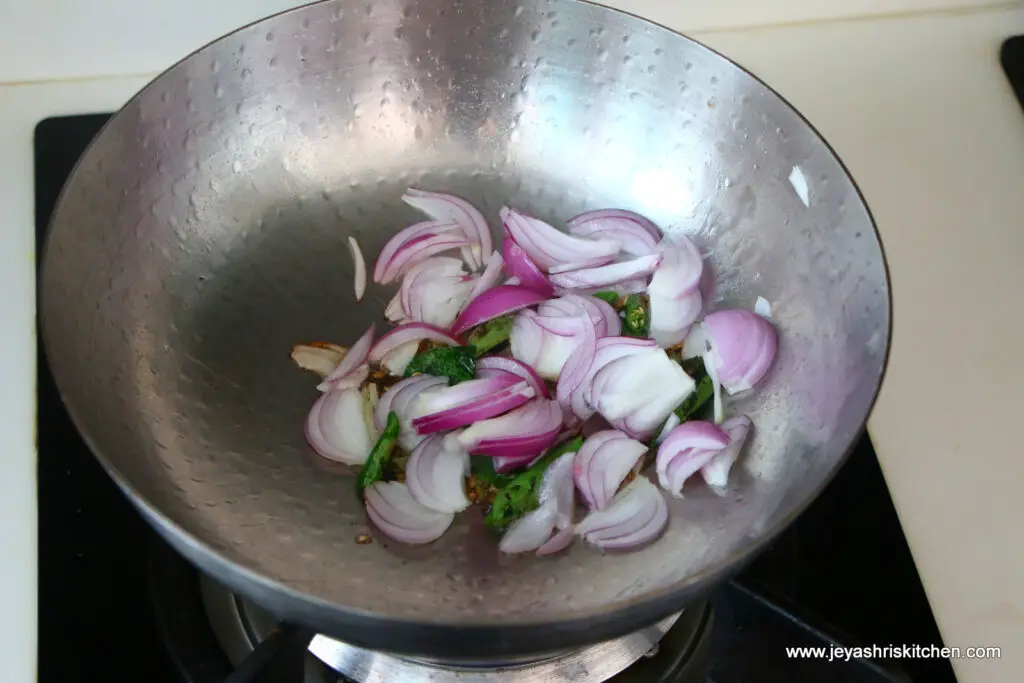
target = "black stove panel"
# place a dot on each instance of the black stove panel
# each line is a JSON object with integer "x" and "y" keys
{"x": 1012, "y": 58}
{"x": 841, "y": 574}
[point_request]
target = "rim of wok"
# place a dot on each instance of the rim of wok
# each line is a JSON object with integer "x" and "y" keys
{"x": 652, "y": 605}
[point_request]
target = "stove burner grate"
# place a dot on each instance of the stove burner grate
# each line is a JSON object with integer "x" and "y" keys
{"x": 214, "y": 636}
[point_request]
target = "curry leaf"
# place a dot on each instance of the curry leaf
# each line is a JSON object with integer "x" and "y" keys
{"x": 457, "y": 363}
{"x": 483, "y": 467}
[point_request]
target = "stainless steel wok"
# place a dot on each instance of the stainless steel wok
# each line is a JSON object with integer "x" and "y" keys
{"x": 203, "y": 233}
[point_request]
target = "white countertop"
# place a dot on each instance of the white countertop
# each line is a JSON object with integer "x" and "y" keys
{"x": 908, "y": 92}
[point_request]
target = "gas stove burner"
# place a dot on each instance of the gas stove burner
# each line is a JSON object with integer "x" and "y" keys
{"x": 737, "y": 636}
{"x": 213, "y": 636}
{"x": 240, "y": 626}
{"x": 596, "y": 664}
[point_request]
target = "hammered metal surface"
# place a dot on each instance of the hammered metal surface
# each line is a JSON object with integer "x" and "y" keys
{"x": 203, "y": 233}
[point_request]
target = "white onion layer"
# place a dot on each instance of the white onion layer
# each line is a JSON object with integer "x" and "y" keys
{"x": 435, "y": 291}
{"x": 636, "y": 516}
{"x": 602, "y": 463}
{"x": 716, "y": 471}
{"x": 340, "y": 426}
{"x": 545, "y": 339}
{"x": 447, "y": 207}
{"x": 436, "y": 474}
{"x": 688, "y": 448}
{"x": 638, "y": 392}
{"x": 359, "y": 265}
{"x": 319, "y": 357}
{"x": 533, "y": 531}
{"x": 394, "y": 511}
{"x": 401, "y": 398}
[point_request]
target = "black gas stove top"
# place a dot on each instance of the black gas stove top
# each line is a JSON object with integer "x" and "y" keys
{"x": 115, "y": 604}
{"x": 1012, "y": 58}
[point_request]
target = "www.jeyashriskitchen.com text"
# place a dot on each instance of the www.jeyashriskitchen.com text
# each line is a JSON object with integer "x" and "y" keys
{"x": 836, "y": 653}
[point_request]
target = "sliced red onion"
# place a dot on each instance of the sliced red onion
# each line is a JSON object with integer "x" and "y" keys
{"x": 607, "y": 275}
{"x": 536, "y": 345}
{"x": 636, "y": 516}
{"x": 547, "y": 338}
{"x": 555, "y": 495}
{"x": 671, "y": 319}
{"x": 349, "y": 372}
{"x": 578, "y": 265}
{"x": 559, "y": 542}
{"x": 449, "y": 408}
{"x": 394, "y": 311}
{"x": 635, "y": 234}
{"x": 401, "y": 341}
{"x": 339, "y": 426}
{"x": 495, "y": 303}
{"x": 744, "y": 346}
{"x": 630, "y": 287}
{"x": 716, "y": 470}
{"x": 671, "y": 423}
{"x": 421, "y": 247}
{"x": 607, "y": 322}
{"x": 447, "y": 207}
{"x": 397, "y": 360}
{"x": 528, "y": 430}
{"x": 412, "y": 295}
{"x": 689, "y": 447}
{"x": 519, "y": 266}
{"x": 527, "y": 338}
{"x": 576, "y": 367}
{"x": 401, "y": 398}
{"x": 696, "y": 343}
{"x": 600, "y": 218}
{"x": 402, "y": 238}
{"x": 680, "y": 269}
{"x": 359, "y": 264}
{"x": 489, "y": 278}
{"x": 396, "y": 513}
{"x": 710, "y": 365}
{"x": 565, "y": 325}
{"x": 638, "y": 286}
{"x": 503, "y": 464}
{"x": 607, "y": 350}
{"x": 419, "y": 251}
{"x": 640, "y": 425}
{"x": 564, "y": 306}
{"x": 547, "y": 246}
{"x": 529, "y": 532}
{"x": 557, "y": 490}
{"x": 433, "y": 298}
{"x": 490, "y": 366}
{"x": 319, "y": 357}
{"x": 436, "y": 474}
{"x": 640, "y": 390}
{"x": 604, "y": 318}
{"x": 602, "y": 464}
